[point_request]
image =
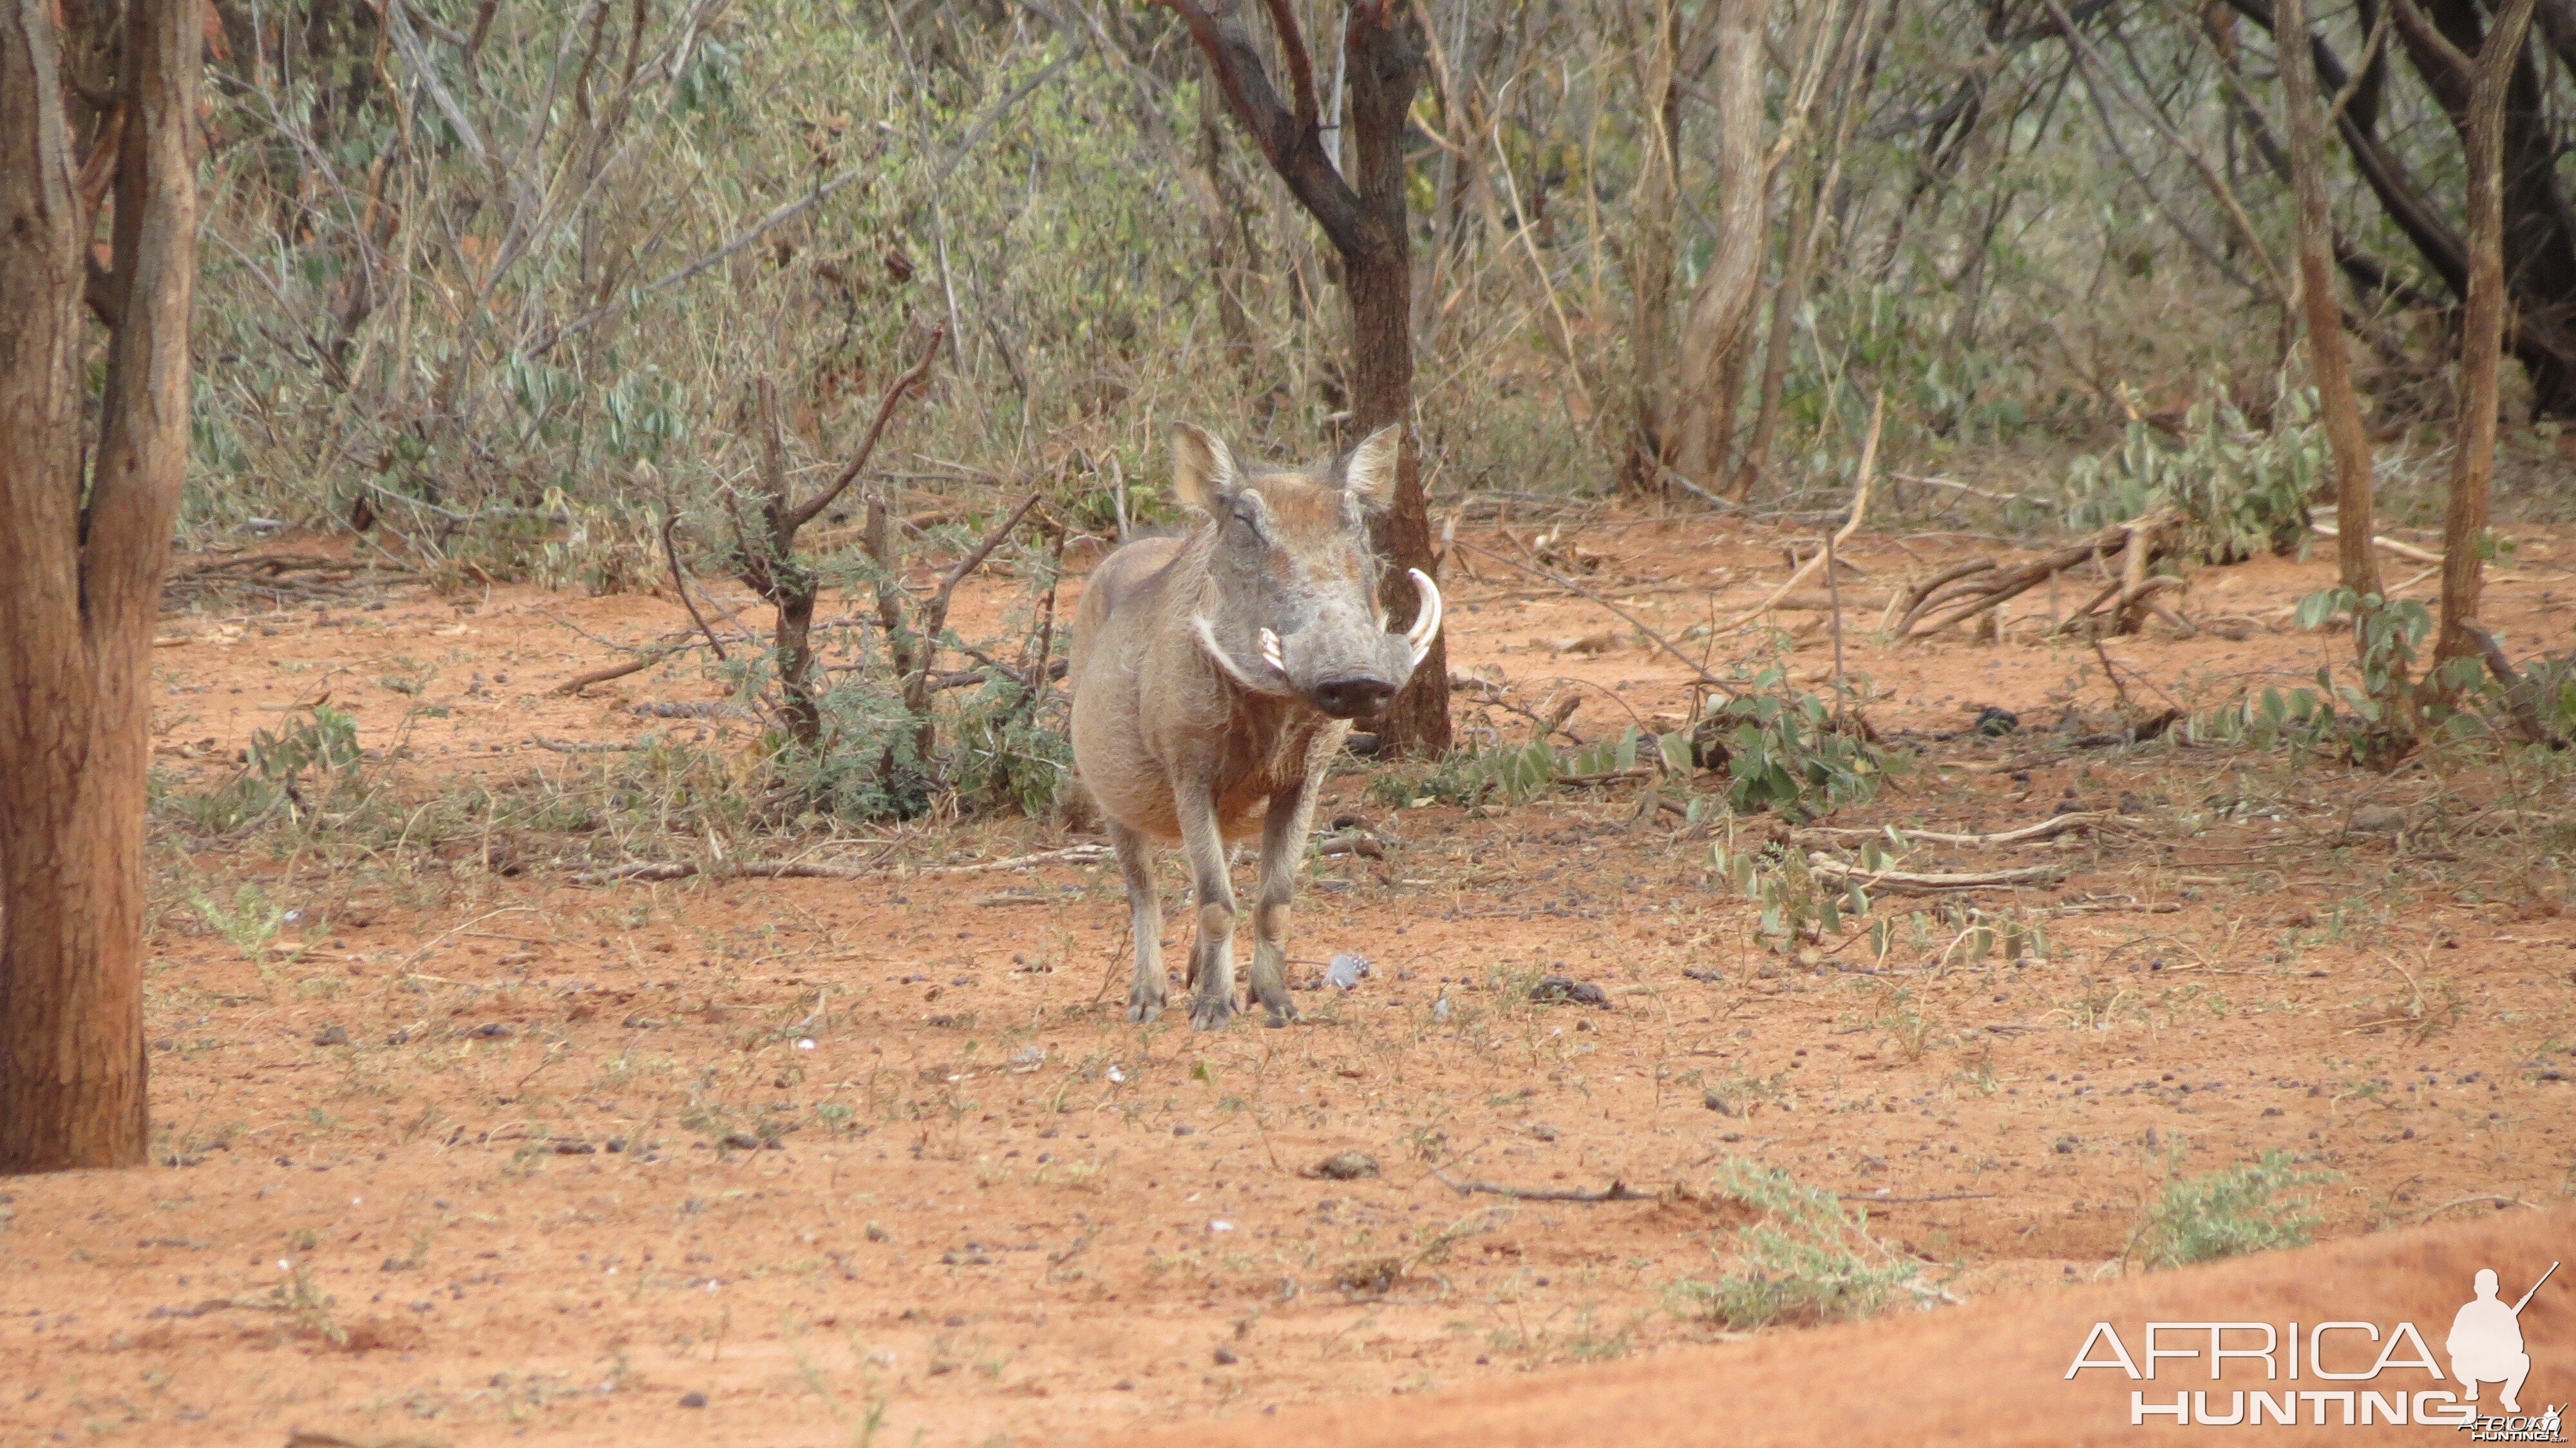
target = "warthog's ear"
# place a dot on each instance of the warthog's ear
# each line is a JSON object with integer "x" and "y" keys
{"x": 1370, "y": 469}
{"x": 1203, "y": 470}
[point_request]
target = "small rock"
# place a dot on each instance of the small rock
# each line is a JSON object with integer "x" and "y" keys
{"x": 1995, "y": 723}
{"x": 1185, "y": 1130}
{"x": 1552, "y": 989}
{"x": 693, "y": 1400}
{"x": 1225, "y": 1357}
{"x": 2378, "y": 819}
{"x": 1440, "y": 1010}
{"x": 331, "y": 1036}
{"x": 1343, "y": 1166}
{"x": 1716, "y": 1103}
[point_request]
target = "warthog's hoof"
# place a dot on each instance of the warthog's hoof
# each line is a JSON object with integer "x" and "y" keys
{"x": 1280, "y": 1015}
{"x": 1141, "y": 1010}
{"x": 1211, "y": 1013}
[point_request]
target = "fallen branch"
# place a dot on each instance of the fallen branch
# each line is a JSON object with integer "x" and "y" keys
{"x": 755, "y": 870}
{"x": 1617, "y": 1191}
{"x": 1072, "y": 853}
{"x": 1352, "y": 842}
{"x": 635, "y": 665}
{"x": 579, "y": 746}
{"x": 2004, "y": 586}
{"x": 2407, "y": 551}
{"x": 2046, "y": 829}
{"x": 1907, "y": 880}
{"x": 1934, "y": 1197}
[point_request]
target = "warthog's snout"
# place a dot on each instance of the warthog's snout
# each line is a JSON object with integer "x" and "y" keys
{"x": 1353, "y": 698}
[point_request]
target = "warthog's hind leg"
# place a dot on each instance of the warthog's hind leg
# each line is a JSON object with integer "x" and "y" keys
{"x": 1283, "y": 848}
{"x": 1145, "y": 913}
{"x": 1212, "y": 953}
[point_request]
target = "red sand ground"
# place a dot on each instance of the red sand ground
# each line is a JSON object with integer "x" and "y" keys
{"x": 1997, "y": 1372}
{"x": 510, "y": 1204}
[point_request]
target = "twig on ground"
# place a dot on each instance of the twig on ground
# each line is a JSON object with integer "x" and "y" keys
{"x": 2407, "y": 551}
{"x": 581, "y": 746}
{"x": 1907, "y": 880}
{"x": 1617, "y": 1191}
{"x": 2045, "y": 829}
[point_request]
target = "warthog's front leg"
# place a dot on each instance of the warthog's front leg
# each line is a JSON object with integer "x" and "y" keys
{"x": 1212, "y": 954}
{"x": 1145, "y": 912}
{"x": 1283, "y": 849}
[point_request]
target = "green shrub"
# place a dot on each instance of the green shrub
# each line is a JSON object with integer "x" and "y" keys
{"x": 1804, "y": 1259}
{"x": 2240, "y": 491}
{"x": 2255, "y": 1206}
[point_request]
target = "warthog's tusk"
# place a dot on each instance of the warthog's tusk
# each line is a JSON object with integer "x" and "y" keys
{"x": 1270, "y": 651}
{"x": 1207, "y": 640}
{"x": 1426, "y": 620}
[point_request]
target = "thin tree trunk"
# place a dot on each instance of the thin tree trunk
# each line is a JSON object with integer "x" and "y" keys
{"x": 1226, "y": 271}
{"x": 1809, "y": 238}
{"x": 1386, "y": 63}
{"x": 83, "y": 575}
{"x": 1712, "y": 338}
{"x": 2357, "y": 563}
{"x": 1364, "y": 217}
{"x": 1650, "y": 256}
{"x": 2464, "y": 521}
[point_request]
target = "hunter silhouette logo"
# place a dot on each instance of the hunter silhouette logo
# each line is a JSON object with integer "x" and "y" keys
{"x": 2486, "y": 1341}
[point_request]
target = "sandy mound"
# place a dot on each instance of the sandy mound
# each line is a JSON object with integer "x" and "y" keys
{"x": 1995, "y": 1371}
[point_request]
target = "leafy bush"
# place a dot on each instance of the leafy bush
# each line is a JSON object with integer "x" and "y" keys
{"x": 2249, "y": 1207}
{"x": 1790, "y": 752}
{"x": 2241, "y": 491}
{"x": 1804, "y": 1259}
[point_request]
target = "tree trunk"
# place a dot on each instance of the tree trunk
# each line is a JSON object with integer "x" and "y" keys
{"x": 2357, "y": 564}
{"x": 2464, "y": 521}
{"x": 1383, "y": 54}
{"x": 81, "y": 561}
{"x": 1712, "y": 338}
{"x": 1385, "y": 57}
{"x": 1226, "y": 271}
{"x": 1650, "y": 257}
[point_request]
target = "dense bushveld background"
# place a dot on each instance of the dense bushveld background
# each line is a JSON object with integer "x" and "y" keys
{"x": 499, "y": 286}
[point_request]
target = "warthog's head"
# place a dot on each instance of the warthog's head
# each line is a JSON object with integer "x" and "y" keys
{"x": 1291, "y": 608}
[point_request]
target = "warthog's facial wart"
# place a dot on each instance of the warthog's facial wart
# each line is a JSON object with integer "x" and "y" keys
{"x": 1292, "y": 610}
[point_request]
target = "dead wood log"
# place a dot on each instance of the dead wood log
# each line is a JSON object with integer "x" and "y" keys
{"x": 1910, "y": 881}
{"x": 2136, "y": 542}
{"x": 2048, "y": 828}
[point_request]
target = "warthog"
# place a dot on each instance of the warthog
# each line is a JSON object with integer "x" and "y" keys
{"x": 1215, "y": 675}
